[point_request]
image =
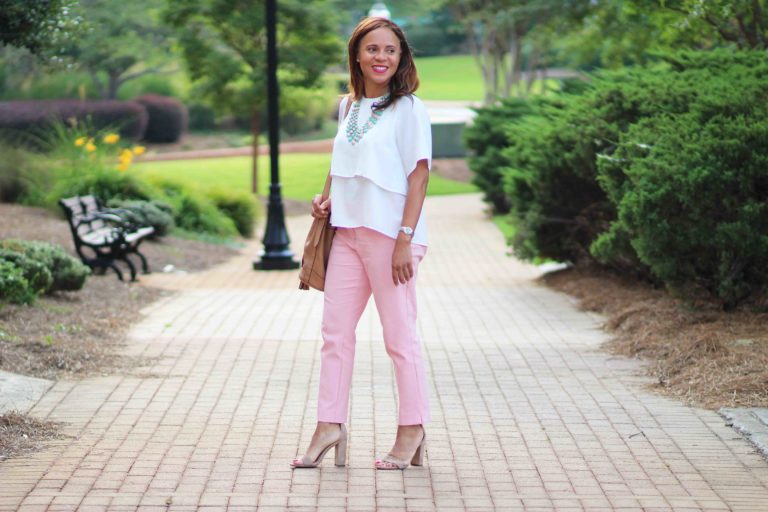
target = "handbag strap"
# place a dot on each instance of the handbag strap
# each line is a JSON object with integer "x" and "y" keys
{"x": 349, "y": 105}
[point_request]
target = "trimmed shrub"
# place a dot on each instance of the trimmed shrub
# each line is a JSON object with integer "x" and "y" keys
{"x": 692, "y": 191}
{"x": 38, "y": 277}
{"x": 195, "y": 212}
{"x": 34, "y": 116}
{"x": 168, "y": 118}
{"x": 14, "y": 288}
{"x": 658, "y": 171}
{"x": 148, "y": 213}
{"x": 68, "y": 272}
{"x": 486, "y": 138}
{"x": 555, "y": 201}
{"x": 241, "y": 208}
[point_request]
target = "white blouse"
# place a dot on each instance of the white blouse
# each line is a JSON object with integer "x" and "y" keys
{"x": 369, "y": 179}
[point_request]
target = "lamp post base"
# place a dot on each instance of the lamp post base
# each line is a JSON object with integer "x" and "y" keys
{"x": 280, "y": 260}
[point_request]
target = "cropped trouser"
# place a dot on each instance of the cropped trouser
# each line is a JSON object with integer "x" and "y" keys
{"x": 361, "y": 264}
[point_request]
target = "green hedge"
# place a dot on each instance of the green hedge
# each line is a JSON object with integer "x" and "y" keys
{"x": 657, "y": 171}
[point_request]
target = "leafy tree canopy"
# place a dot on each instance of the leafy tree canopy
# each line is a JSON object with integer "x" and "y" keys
{"x": 122, "y": 41}
{"x": 37, "y": 25}
{"x": 224, "y": 45}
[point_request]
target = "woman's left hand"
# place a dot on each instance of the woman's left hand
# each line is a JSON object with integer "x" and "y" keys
{"x": 402, "y": 261}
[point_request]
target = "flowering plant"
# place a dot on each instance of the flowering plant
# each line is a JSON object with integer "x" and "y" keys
{"x": 108, "y": 148}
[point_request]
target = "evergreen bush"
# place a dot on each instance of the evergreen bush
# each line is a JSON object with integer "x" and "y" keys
{"x": 193, "y": 211}
{"x": 240, "y": 207}
{"x": 486, "y": 138}
{"x": 38, "y": 276}
{"x": 692, "y": 190}
{"x": 659, "y": 171}
{"x": 14, "y": 288}
{"x": 68, "y": 272}
{"x": 148, "y": 213}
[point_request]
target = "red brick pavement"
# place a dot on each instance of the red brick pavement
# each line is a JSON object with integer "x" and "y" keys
{"x": 529, "y": 414}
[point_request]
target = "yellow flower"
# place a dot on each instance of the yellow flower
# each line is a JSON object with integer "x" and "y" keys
{"x": 123, "y": 166}
{"x": 111, "y": 138}
{"x": 90, "y": 147}
{"x": 139, "y": 150}
{"x": 126, "y": 154}
{"x": 80, "y": 141}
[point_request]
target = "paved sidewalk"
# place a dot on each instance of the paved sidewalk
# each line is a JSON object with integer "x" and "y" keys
{"x": 528, "y": 413}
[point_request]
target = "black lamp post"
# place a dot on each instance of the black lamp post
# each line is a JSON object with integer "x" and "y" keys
{"x": 277, "y": 254}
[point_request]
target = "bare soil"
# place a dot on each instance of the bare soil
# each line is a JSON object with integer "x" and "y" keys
{"x": 695, "y": 352}
{"x": 76, "y": 334}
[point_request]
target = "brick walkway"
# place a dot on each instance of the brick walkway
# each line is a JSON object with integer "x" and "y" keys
{"x": 528, "y": 413}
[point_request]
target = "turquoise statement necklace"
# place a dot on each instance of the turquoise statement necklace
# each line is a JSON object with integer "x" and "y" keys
{"x": 354, "y": 132}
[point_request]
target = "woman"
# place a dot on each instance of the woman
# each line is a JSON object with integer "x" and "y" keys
{"x": 377, "y": 182}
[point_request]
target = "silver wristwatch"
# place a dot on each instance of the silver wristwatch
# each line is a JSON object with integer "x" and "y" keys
{"x": 407, "y": 230}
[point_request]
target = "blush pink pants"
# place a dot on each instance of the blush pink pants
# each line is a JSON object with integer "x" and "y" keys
{"x": 361, "y": 264}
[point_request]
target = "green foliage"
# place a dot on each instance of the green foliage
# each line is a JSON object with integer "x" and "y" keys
{"x": 241, "y": 207}
{"x": 37, "y": 25}
{"x": 304, "y": 110}
{"x": 122, "y": 41}
{"x": 19, "y": 171}
{"x": 657, "y": 171}
{"x": 691, "y": 187}
{"x": 38, "y": 276}
{"x": 193, "y": 211}
{"x": 486, "y": 138}
{"x": 437, "y": 33}
{"x": 14, "y": 288}
{"x": 147, "y": 213}
{"x": 223, "y": 44}
{"x": 106, "y": 184}
{"x": 68, "y": 272}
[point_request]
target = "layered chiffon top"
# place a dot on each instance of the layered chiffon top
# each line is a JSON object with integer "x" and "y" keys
{"x": 369, "y": 178}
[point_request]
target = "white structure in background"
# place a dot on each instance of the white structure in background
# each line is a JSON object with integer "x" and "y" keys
{"x": 380, "y": 10}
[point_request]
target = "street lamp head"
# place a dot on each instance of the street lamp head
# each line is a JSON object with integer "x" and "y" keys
{"x": 379, "y": 10}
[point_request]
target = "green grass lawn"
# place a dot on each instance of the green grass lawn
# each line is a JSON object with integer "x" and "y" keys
{"x": 452, "y": 77}
{"x": 302, "y": 175}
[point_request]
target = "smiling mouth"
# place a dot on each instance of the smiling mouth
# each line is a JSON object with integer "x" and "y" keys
{"x": 380, "y": 69}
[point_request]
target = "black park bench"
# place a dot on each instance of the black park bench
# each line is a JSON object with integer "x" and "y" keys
{"x": 104, "y": 235}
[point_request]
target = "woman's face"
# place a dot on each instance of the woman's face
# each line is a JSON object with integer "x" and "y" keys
{"x": 378, "y": 56}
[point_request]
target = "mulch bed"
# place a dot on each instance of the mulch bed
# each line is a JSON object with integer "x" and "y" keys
{"x": 76, "y": 334}
{"x": 20, "y": 434}
{"x": 695, "y": 351}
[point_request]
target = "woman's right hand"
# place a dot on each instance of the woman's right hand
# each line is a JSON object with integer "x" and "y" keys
{"x": 320, "y": 208}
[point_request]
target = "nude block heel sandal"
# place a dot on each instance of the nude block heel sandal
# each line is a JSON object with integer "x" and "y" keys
{"x": 390, "y": 462}
{"x": 340, "y": 445}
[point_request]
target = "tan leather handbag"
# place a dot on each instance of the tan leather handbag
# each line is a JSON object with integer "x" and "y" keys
{"x": 317, "y": 250}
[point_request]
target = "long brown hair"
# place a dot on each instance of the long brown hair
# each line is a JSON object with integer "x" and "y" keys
{"x": 404, "y": 82}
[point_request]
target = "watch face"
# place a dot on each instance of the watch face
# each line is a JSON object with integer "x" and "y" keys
{"x": 407, "y": 230}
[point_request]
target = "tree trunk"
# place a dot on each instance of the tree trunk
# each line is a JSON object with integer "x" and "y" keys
{"x": 113, "y": 86}
{"x": 255, "y": 129}
{"x": 517, "y": 61}
{"x": 98, "y": 85}
{"x": 509, "y": 74}
{"x": 533, "y": 67}
{"x": 491, "y": 66}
